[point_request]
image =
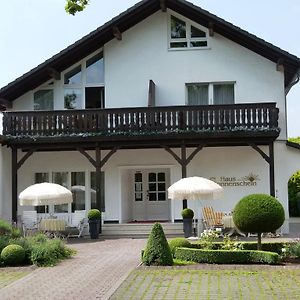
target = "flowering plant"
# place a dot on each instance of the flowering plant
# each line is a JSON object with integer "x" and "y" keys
{"x": 207, "y": 238}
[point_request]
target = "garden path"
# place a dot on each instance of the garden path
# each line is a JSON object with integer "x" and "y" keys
{"x": 94, "y": 273}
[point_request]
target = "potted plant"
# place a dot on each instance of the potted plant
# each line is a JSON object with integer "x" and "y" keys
{"x": 94, "y": 216}
{"x": 187, "y": 217}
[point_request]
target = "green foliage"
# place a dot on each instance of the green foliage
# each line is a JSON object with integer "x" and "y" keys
{"x": 227, "y": 256}
{"x": 292, "y": 249}
{"x": 4, "y": 241}
{"x": 178, "y": 242}
{"x": 15, "y": 233}
{"x": 293, "y": 190}
{"x": 26, "y": 244}
{"x": 74, "y": 6}
{"x": 13, "y": 255}
{"x": 258, "y": 213}
{"x": 157, "y": 251}
{"x": 295, "y": 140}
{"x": 269, "y": 247}
{"x": 49, "y": 253}
{"x": 94, "y": 214}
{"x": 207, "y": 238}
{"x": 231, "y": 244}
{"x": 187, "y": 213}
{"x": 5, "y": 228}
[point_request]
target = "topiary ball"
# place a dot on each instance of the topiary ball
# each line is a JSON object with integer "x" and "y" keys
{"x": 258, "y": 213}
{"x": 187, "y": 213}
{"x": 94, "y": 214}
{"x": 178, "y": 242}
{"x": 13, "y": 255}
{"x": 157, "y": 251}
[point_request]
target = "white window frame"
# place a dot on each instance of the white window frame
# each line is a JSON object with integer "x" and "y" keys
{"x": 211, "y": 90}
{"x": 83, "y": 83}
{"x": 188, "y": 38}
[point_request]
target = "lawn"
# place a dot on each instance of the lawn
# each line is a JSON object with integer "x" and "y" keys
{"x": 235, "y": 282}
{"x": 9, "y": 276}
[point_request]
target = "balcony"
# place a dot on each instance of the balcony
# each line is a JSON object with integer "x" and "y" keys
{"x": 239, "y": 120}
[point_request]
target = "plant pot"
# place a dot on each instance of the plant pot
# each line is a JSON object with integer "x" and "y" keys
{"x": 187, "y": 227}
{"x": 94, "y": 226}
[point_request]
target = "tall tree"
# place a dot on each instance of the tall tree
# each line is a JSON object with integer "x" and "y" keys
{"x": 74, "y": 6}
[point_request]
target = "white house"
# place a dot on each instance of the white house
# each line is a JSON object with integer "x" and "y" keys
{"x": 163, "y": 91}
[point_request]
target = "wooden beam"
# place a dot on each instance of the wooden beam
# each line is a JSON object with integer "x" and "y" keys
{"x": 163, "y": 5}
{"x": 5, "y": 103}
{"x": 14, "y": 184}
{"x": 280, "y": 65}
{"x": 108, "y": 156}
{"x": 192, "y": 155}
{"x": 117, "y": 33}
{"x": 272, "y": 169}
{"x": 53, "y": 73}
{"x": 90, "y": 159}
{"x": 211, "y": 30}
{"x": 151, "y": 94}
{"x": 24, "y": 158}
{"x": 262, "y": 153}
{"x": 168, "y": 149}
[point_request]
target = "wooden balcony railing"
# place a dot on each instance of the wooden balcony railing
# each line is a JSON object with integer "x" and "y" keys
{"x": 142, "y": 120}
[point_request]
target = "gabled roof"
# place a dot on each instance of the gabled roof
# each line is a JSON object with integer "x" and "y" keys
{"x": 97, "y": 38}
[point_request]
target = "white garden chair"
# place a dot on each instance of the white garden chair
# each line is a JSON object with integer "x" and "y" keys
{"x": 29, "y": 221}
{"x": 78, "y": 223}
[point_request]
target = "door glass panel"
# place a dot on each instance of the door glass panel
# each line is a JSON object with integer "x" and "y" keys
{"x": 161, "y": 176}
{"x": 60, "y": 178}
{"x": 152, "y": 196}
{"x": 223, "y": 94}
{"x": 138, "y": 177}
{"x": 152, "y": 177}
{"x": 161, "y": 186}
{"x": 138, "y": 186}
{"x": 78, "y": 190}
{"x": 161, "y": 196}
{"x": 152, "y": 187}
{"x": 197, "y": 94}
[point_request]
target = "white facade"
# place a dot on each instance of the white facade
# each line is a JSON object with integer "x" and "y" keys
{"x": 143, "y": 55}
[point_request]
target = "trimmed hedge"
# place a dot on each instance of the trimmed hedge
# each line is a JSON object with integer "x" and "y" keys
{"x": 227, "y": 256}
{"x": 178, "y": 242}
{"x": 270, "y": 247}
{"x": 13, "y": 255}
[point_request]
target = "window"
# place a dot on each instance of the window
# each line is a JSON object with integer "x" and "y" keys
{"x": 40, "y": 178}
{"x": 93, "y": 190}
{"x": 138, "y": 186}
{"x": 78, "y": 190}
{"x": 210, "y": 93}
{"x": 84, "y": 84}
{"x": 157, "y": 186}
{"x": 62, "y": 179}
{"x": 43, "y": 100}
{"x": 184, "y": 35}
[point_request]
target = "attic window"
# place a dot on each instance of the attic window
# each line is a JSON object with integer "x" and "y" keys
{"x": 184, "y": 35}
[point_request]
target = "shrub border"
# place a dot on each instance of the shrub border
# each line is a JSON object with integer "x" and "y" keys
{"x": 227, "y": 256}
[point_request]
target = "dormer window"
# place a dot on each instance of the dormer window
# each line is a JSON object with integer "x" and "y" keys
{"x": 185, "y": 35}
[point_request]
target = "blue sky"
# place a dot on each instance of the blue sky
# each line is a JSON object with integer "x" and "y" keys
{"x": 33, "y": 30}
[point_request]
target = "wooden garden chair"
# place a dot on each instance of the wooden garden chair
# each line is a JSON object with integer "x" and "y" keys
{"x": 211, "y": 218}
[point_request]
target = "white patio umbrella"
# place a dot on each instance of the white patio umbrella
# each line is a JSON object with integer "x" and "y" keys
{"x": 45, "y": 194}
{"x": 195, "y": 188}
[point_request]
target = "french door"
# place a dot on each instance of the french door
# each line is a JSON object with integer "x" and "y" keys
{"x": 150, "y": 199}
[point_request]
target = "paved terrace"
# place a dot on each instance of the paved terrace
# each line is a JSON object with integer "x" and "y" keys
{"x": 94, "y": 273}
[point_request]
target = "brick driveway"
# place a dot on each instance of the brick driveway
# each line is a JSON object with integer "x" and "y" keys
{"x": 94, "y": 273}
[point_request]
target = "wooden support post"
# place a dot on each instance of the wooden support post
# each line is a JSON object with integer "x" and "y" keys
{"x": 271, "y": 169}
{"x": 99, "y": 201}
{"x": 14, "y": 183}
{"x": 183, "y": 170}
{"x": 53, "y": 73}
{"x": 211, "y": 29}
{"x": 117, "y": 33}
{"x": 163, "y": 5}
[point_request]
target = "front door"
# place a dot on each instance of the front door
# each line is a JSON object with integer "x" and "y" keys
{"x": 150, "y": 195}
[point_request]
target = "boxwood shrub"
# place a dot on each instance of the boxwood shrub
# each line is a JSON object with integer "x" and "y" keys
{"x": 227, "y": 256}
{"x": 13, "y": 255}
{"x": 178, "y": 242}
{"x": 270, "y": 247}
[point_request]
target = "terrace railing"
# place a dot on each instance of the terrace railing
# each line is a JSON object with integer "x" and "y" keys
{"x": 258, "y": 116}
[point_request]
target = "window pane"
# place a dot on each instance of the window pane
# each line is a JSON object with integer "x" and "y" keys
{"x": 138, "y": 186}
{"x": 62, "y": 179}
{"x": 78, "y": 190}
{"x": 93, "y": 190}
{"x": 94, "y": 97}
{"x": 161, "y": 186}
{"x": 95, "y": 70}
{"x": 152, "y": 187}
{"x": 197, "y": 94}
{"x": 223, "y": 94}
{"x": 73, "y": 99}
{"x": 40, "y": 178}
{"x": 138, "y": 197}
{"x": 73, "y": 76}
{"x": 138, "y": 177}
{"x": 195, "y": 32}
{"x": 178, "y": 45}
{"x": 43, "y": 100}
{"x": 178, "y": 28}
{"x": 198, "y": 44}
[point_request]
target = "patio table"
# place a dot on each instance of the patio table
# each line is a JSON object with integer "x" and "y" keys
{"x": 52, "y": 225}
